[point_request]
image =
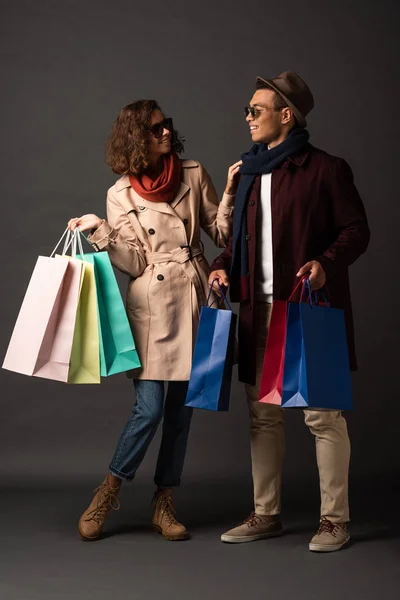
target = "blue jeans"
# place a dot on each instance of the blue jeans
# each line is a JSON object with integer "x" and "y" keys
{"x": 141, "y": 426}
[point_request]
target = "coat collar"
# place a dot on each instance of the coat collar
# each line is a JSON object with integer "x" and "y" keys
{"x": 300, "y": 157}
{"x": 135, "y": 201}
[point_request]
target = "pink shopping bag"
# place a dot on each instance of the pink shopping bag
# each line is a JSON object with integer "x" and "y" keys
{"x": 55, "y": 352}
{"x": 41, "y": 342}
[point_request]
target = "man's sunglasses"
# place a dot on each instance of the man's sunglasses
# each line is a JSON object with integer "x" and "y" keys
{"x": 158, "y": 128}
{"x": 250, "y": 110}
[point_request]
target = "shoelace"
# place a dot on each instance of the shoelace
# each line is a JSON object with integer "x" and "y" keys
{"x": 252, "y": 520}
{"x": 166, "y": 508}
{"x": 107, "y": 500}
{"x": 328, "y": 527}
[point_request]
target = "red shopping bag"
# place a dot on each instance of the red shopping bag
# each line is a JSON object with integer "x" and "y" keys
{"x": 274, "y": 356}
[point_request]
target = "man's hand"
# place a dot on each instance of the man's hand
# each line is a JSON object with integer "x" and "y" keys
{"x": 233, "y": 176}
{"x": 222, "y": 278}
{"x": 316, "y": 274}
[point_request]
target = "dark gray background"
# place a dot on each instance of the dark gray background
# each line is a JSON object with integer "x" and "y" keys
{"x": 67, "y": 68}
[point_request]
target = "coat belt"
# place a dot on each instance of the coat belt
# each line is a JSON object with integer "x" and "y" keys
{"x": 179, "y": 255}
{"x": 182, "y": 256}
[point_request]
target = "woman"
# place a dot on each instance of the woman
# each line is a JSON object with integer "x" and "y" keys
{"x": 155, "y": 212}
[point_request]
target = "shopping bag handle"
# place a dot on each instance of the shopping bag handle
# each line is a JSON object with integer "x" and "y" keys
{"x": 316, "y": 294}
{"x": 77, "y": 241}
{"x": 72, "y": 239}
{"x": 82, "y": 235}
{"x": 222, "y": 293}
{"x": 305, "y": 283}
{"x": 67, "y": 242}
{"x": 297, "y": 287}
{"x": 324, "y": 298}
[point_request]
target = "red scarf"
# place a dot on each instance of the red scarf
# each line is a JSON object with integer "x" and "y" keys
{"x": 162, "y": 189}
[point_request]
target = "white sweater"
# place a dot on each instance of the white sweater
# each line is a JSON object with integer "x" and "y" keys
{"x": 264, "y": 264}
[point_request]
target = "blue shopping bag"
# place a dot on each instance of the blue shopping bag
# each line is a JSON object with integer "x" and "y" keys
{"x": 211, "y": 375}
{"x": 117, "y": 347}
{"x": 316, "y": 367}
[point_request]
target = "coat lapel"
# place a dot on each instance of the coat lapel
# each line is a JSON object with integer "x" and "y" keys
{"x": 132, "y": 200}
{"x": 182, "y": 191}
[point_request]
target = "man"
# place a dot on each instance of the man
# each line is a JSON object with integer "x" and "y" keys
{"x": 297, "y": 211}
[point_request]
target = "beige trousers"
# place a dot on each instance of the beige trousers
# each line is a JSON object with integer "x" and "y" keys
{"x": 268, "y": 445}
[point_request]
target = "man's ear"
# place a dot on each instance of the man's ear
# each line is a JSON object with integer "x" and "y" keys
{"x": 287, "y": 115}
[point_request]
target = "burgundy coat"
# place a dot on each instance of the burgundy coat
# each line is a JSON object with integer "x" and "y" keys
{"x": 317, "y": 214}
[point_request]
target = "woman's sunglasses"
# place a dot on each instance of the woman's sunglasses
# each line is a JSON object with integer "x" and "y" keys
{"x": 158, "y": 128}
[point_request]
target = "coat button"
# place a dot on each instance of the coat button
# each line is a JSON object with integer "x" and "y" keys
{"x": 252, "y": 203}
{"x": 151, "y": 231}
{"x": 160, "y": 277}
{"x": 248, "y": 237}
{"x": 185, "y": 221}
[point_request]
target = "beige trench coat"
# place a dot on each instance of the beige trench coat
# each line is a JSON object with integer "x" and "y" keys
{"x": 146, "y": 240}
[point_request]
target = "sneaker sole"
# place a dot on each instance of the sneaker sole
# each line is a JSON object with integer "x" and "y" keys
{"x": 171, "y": 538}
{"x": 232, "y": 539}
{"x": 323, "y": 548}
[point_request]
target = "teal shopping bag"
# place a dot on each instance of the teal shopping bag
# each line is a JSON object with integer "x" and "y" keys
{"x": 117, "y": 347}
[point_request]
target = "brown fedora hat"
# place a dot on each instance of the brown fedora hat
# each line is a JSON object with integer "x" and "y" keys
{"x": 294, "y": 91}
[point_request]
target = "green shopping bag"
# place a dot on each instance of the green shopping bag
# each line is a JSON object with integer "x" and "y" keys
{"x": 117, "y": 347}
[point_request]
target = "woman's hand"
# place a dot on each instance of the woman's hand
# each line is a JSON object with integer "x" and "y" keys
{"x": 233, "y": 176}
{"x": 85, "y": 222}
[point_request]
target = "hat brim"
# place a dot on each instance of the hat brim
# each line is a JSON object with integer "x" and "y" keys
{"x": 299, "y": 117}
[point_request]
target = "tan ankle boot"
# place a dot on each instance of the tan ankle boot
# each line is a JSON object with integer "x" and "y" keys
{"x": 91, "y": 522}
{"x": 164, "y": 520}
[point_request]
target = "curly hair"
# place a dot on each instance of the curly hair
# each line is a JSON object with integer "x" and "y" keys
{"x": 127, "y": 148}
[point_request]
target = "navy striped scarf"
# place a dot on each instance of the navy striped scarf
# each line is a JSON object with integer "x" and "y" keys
{"x": 258, "y": 161}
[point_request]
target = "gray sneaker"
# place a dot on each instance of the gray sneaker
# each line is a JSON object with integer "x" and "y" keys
{"x": 255, "y": 527}
{"x": 329, "y": 537}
